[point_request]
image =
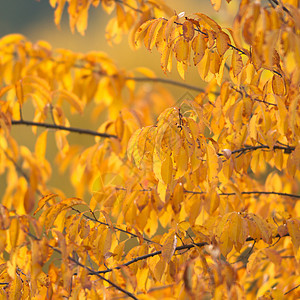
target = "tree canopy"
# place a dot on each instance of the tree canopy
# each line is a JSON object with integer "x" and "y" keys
{"x": 175, "y": 198}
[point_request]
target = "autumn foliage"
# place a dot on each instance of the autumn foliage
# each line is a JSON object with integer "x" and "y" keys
{"x": 189, "y": 199}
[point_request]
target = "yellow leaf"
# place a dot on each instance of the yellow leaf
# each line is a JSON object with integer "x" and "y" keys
{"x": 181, "y": 68}
{"x": 253, "y": 261}
{"x": 11, "y": 39}
{"x": 169, "y": 246}
{"x": 282, "y": 114}
{"x": 166, "y": 58}
{"x": 150, "y": 37}
{"x": 214, "y": 25}
{"x": 82, "y": 19}
{"x": 168, "y": 28}
{"x": 264, "y": 228}
{"x": 293, "y": 226}
{"x": 5, "y": 89}
{"x": 216, "y": 4}
{"x": 14, "y": 230}
{"x": 203, "y": 66}
{"x": 222, "y": 42}
{"x": 29, "y": 199}
{"x": 44, "y": 201}
{"x": 119, "y": 126}
{"x": 4, "y": 218}
{"x": 215, "y": 62}
{"x": 212, "y": 201}
{"x": 160, "y": 269}
{"x": 14, "y": 290}
{"x": 167, "y": 170}
{"x": 73, "y": 99}
{"x": 198, "y": 46}
{"x": 278, "y": 85}
{"x": 52, "y": 213}
{"x": 108, "y": 5}
{"x": 142, "y": 30}
{"x": 181, "y": 49}
{"x": 213, "y": 162}
{"x": 188, "y": 30}
{"x": 19, "y": 91}
{"x": 58, "y": 11}
{"x": 236, "y": 63}
{"x": 40, "y": 145}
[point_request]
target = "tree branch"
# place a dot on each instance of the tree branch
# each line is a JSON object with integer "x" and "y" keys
{"x": 60, "y": 127}
{"x": 129, "y": 6}
{"x": 114, "y": 227}
{"x": 167, "y": 81}
{"x": 91, "y": 271}
{"x": 248, "y": 193}
{"x": 136, "y": 259}
{"x": 287, "y": 149}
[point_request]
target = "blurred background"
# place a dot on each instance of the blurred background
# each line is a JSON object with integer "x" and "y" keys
{"x": 34, "y": 19}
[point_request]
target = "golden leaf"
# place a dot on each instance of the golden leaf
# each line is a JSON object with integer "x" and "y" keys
{"x": 213, "y": 24}
{"x": 150, "y": 37}
{"x": 181, "y": 49}
{"x": 278, "y": 85}
{"x": 44, "y": 201}
{"x": 169, "y": 27}
{"x": 222, "y": 42}
{"x": 188, "y": 30}
{"x": 198, "y": 46}
{"x": 236, "y": 63}
{"x": 169, "y": 246}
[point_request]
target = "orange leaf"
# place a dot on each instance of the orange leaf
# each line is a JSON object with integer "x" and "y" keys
{"x": 188, "y": 30}
{"x": 198, "y": 46}
{"x": 181, "y": 49}
{"x": 222, "y": 42}
{"x": 44, "y": 201}
{"x": 169, "y": 246}
{"x": 19, "y": 91}
{"x": 216, "y": 4}
{"x": 236, "y": 63}
{"x": 169, "y": 27}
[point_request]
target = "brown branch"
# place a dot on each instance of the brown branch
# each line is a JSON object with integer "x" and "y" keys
{"x": 248, "y": 193}
{"x": 287, "y": 149}
{"x": 167, "y": 81}
{"x": 283, "y": 7}
{"x": 129, "y": 6}
{"x": 136, "y": 259}
{"x": 60, "y": 127}
{"x": 94, "y": 219}
{"x": 91, "y": 271}
{"x": 100, "y": 72}
{"x": 204, "y": 33}
{"x": 292, "y": 289}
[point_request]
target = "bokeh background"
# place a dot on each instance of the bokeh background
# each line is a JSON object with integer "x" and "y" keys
{"x": 34, "y": 19}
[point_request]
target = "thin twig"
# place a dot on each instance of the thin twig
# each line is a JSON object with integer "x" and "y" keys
{"x": 136, "y": 259}
{"x": 292, "y": 289}
{"x": 60, "y": 127}
{"x": 168, "y": 81}
{"x": 91, "y": 271}
{"x": 100, "y": 72}
{"x": 129, "y": 6}
{"x": 248, "y": 193}
{"x": 94, "y": 219}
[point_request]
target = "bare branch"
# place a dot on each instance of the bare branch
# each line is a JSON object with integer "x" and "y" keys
{"x": 168, "y": 81}
{"x": 248, "y": 193}
{"x": 60, "y": 127}
{"x": 287, "y": 149}
{"x": 136, "y": 259}
{"x": 114, "y": 227}
{"x": 91, "y": 271}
